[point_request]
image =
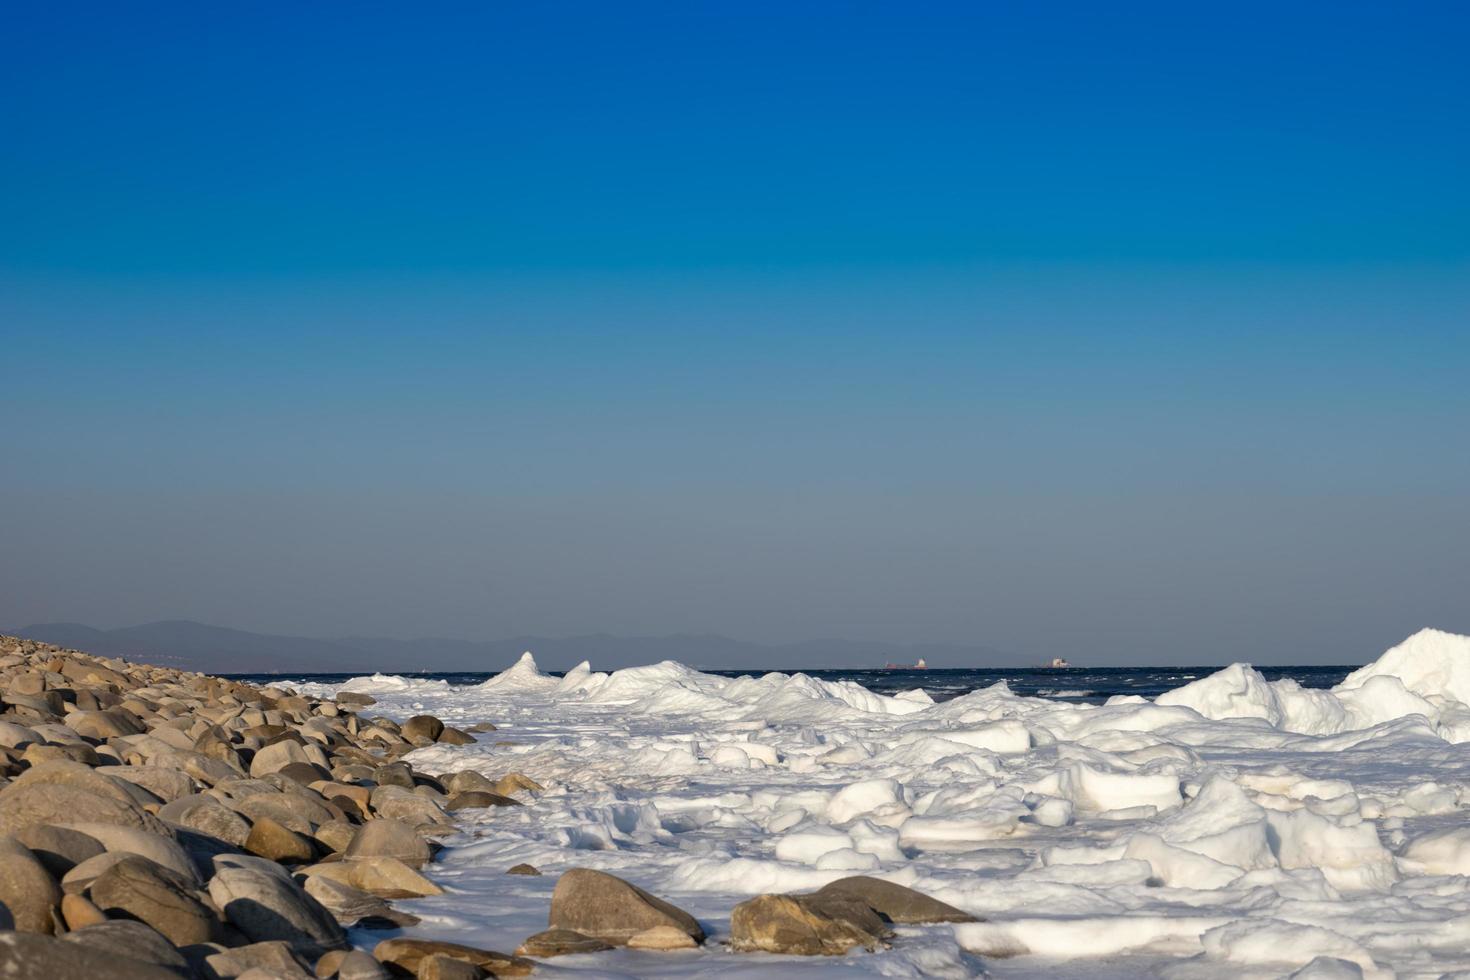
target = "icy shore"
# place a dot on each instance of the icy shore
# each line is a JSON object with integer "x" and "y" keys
{"x": 1232, "y": 828}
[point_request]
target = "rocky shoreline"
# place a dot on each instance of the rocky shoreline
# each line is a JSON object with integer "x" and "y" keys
{"x": 156, "y": 823}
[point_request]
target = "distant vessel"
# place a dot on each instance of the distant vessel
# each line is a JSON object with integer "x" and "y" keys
{"x": 916, "y": 665}
{"x": 1058, "y": 662}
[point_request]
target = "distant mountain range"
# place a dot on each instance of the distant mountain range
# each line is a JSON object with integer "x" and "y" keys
{"x": 218, "y": 650}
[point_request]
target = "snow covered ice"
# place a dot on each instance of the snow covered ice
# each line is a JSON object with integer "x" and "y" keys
{"x": 1233, "y": 828}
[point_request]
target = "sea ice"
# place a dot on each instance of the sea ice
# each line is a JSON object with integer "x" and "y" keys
{"x": 1234, "y": 828}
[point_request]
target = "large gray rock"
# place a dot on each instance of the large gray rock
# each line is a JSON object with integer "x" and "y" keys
{"x": 269, "y": 839}
{"x": 26, "y": 888}
{"x": 69, "y": 793}
{"x": 397, "y": 803}
{"x": 104, "y": 724}
{"x": 895, "y": 903}
{"x": 160, "y": 850}
{"x": 423, "y": 726}
{"x": 26, "y": 956}
{"x": 479, "y": 799}
{"x": 607, "y": 907}
{"x": 389, "y": 838}
{"x": 277, "y": 959}
{"x": 134, "y": 940}
{"x": 164, "y": 783}
{"x": 207, "y": 815}
{"x": 561, "y": 942}
{"x": 268, "y": 906}
{"x": 139, "y": 889}
{"x": 353, "y": 906}
{"x": 805, "y": 925}
{"x": 352, "y": 965}
{"x": 59, "y": 848}
{"x": 278, "y": 755}
{"x": 409, "y": 955}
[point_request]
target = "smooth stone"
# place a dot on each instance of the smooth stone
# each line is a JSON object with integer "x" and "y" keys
{"x": 387, "y": 837}
{"x": 27, "y": 888}
{"x": 68, "y": 793}
{"x": 894, "y": 902}
{"x": 563, "y": 942}
{"x": 268, "y": 839}
{"x": 408, "y": 953}
{"x": 606, "y": 907}
{"x": 477, "y": 799}
{"x": 135, "y": 940}
{"x": 208, "y": 815}
{"x": 441, "y": 967}
{"x": 524, "y": 869}
{"x": 352, "y": 964}
{"x": 106, "y": 724}
{"x": 139, "y": 889}
{"x": 805, "y": 925}
{"x": 266, "y": 906}
{"x": 353, "y": 906}
{"x": 161, "y": 850}
{"x": 422, "y": 726}
{"x": 78, "y": 912}
{"x": 26, "y": 955}
{"x": 276, "y": 958}
{"x": 59, "y": 848}
{"x": 662, "y": 937}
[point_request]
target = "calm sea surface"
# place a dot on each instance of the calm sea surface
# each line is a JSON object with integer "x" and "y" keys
{"x": 1080, "y": 684}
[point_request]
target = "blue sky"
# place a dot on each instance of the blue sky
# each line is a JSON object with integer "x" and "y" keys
{"x": 1120, "y": 333}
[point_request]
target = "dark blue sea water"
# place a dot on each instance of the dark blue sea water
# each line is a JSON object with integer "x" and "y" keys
{"x": 1079, "y": 684}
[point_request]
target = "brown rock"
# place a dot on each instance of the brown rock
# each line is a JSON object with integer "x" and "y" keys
{"x": 78, "y": 912}
{"x": 264, "y": 903}
{"x": 661, "y": 937}
{"x": 336, "y": 835}
{"x": 269, "y": 839}
{"x": 132, "y": 940}
{"x": 562, "y": 942}
{"x": 26, "y": 888}
{"x": 105, "y": 724}
{"x": 515, "y": 782}
{"x": 389, "y": 838}
{"x": 805, "y": 925}
{"x": 454, "y": 736}
{"x": 351, "y": 964}
{"x": 524, "y": 869}
{"x": 441, "y": 967}
{"x": 59, "y": 848}
{"x": 407, "y": 954}
{"x": 353, "y": 906}
{"x": 606, "y": 907}
{"x": 422, "y": 726}
{"x": 478, "y": 799}
{"x": 66, "y": 793}
{"x": 895, "y": 903}
{"x": 276, "y": 958}
{"x": 24, "y": 955}
{"x": 139, "y": 889}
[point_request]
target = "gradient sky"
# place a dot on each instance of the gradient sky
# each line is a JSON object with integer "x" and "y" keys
{"x": 1137, "y": 333}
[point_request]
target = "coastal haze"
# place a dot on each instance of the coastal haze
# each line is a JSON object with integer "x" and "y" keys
{"x": 197, "y": 646}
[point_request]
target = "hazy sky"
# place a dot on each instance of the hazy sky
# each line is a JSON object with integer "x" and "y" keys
{"x": 1137, "y": 333}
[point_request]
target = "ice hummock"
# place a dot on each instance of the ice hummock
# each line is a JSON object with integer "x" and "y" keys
{"x": 1234, "y": 827}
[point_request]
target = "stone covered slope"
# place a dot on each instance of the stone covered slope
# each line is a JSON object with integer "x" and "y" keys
{"x": 156, "y": 823}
